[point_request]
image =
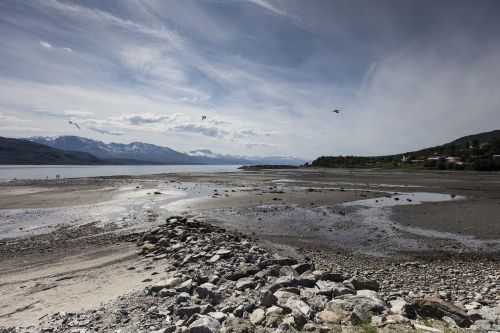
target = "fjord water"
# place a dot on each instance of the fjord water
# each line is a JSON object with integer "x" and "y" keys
{"x": 8, "y": 172}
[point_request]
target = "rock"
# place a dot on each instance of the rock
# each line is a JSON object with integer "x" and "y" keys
{"x": 427, "y": 328}
{"x": 169, "y": 329}
{"x": 188, "y": 311}
{"x": 204, "y": 290}
{"x": 214, "y": 258}
{"x": 205, "y": 324}
{"x": 283, "y": 261}
{"x": 274, "y": 310}
{"x": 182, "y": 297}
{"x": 241, "y": 273}
{"x": 268, "y": 299}
{"x": 224, "y": 253}
{"x": 220, "y": 316}
{"x": 166, "y": 284}
{"x": 301, "y": 268}
{"x": 308, "y": 281}
{"x": 237, "y": 325}
{"x": 185, "y": 286}
{"x": 362, "y": 283}
{"x": 245, "y": 283}
{"x": 257, "y": 316}
{"x": 400, "y": 306}
{"x": 296, "y": 304}
{"x": 285, "y": 327}
{"x": 283, "y": 296}
{"x": 433, "y": 307}
{"x": 166, "y": 293}
{"x": 396, "y": 319}
{"x": 334, "y": 277}
{"x": 329, "y": 317}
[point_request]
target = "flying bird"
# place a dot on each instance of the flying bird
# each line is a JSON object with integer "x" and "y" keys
{"x": 336, "y": 111}
{"x": 73, "y": 123}
{"x": 203, "y": 117}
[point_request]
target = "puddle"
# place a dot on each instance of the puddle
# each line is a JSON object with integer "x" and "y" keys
{"x": 401, "y": 199}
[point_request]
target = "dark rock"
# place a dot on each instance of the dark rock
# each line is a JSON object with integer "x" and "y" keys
{"x": 433, "y": 307}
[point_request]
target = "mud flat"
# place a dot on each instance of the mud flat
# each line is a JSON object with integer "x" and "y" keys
{"x": 417, "y": 234}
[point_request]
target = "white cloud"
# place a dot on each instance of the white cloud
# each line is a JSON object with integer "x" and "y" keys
{"x": 46, "y": 45}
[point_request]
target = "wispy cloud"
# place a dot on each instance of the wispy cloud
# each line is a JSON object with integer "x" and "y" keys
{"x": 104, "y": 131}
{"x": 264, "y": 72}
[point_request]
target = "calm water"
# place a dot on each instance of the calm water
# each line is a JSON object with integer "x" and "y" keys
{"x": 72, "y": 171}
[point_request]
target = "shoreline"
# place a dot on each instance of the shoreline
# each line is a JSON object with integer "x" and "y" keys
{"x": 235, "y": 202}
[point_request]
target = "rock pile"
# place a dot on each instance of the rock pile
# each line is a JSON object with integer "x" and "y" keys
{"x": 220, "y": 281}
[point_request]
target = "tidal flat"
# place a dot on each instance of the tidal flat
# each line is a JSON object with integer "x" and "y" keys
{"x": 71, "y": 244}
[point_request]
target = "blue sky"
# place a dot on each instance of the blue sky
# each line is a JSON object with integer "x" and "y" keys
{"x": 406, "y": 74}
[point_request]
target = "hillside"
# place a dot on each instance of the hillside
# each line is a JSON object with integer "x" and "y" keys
{"x": 472, "y": 152}
{"x": 15, "y": 151}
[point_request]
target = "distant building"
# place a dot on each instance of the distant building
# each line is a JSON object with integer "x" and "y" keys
{"x": 404, "y": 159}
{"x": 435, "y": 158}
{"x": 496, "y": 157}
{"x": 454, "y": 160}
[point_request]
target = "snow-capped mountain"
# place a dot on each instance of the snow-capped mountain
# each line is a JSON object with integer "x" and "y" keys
{"x": 153, "y": 153}
{"x": 235, "y": 159}
{"x": 135, "y": 150}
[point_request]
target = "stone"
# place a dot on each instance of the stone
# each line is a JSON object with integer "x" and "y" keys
{"x": 305, "y": 280}
{"x": 304, "y": 267}
{"x": 214, "y": 258}
{"x": 268, "y": 299}
{"x": 188, "y": 311}
{"x": 220, "y": 316}
{"x": 285, "y": 327}
{"x": 182, "y": 297}
{"x": 329, "y": 317}
{"x": 402, "y": 307}
{"x": 245, "y": 283}
{"x": 166, "y": 293}
{"x": 204, "y": 290}
{"x": 274, "y": 310}
{"x": 294, "y": 303}
{"x": 427, "y": 328}
{"x": 224, "y": 253}
{"x": 237, "y": 325}
{"x": 257, "y": 316}
{"x": 205, "y": 324}
{"x": 433, "y": 307}
{"x": 283, "y": 296}
{"x": 185, "y": 286}
{"x": 167, "y": 284}
{"x": 283, "y": 261}
{"x": 334, "y": 277}
{"x": 396, "y": 319}
{"x": 360, "y": 283}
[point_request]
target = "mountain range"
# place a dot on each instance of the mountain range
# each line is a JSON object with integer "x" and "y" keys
{"x": 141, "y": 153}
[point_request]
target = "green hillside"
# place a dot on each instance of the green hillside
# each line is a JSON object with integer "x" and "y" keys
{"x": 472, "y": 152}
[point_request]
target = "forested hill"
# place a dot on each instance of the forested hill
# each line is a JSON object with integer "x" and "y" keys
{"x": 472, "y": 152}
{"x": 15, "y": 151}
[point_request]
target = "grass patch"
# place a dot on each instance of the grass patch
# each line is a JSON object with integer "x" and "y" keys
{"x": 368, "y": 328}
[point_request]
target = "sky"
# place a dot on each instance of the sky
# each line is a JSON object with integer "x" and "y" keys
{"x": 266, "y": 73}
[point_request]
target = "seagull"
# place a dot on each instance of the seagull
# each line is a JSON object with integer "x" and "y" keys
{"x": 73, "y": 123}
{"x": 336, "y": 111}
{"x": 203, "y": 117}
